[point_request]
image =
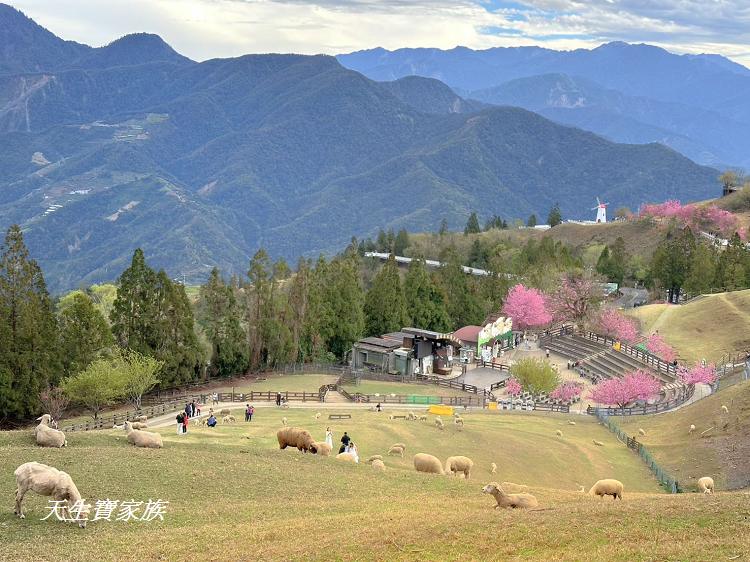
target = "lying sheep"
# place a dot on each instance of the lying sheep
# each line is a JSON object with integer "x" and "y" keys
{"x": 692, "y": 428}
{"x": 724, "y": 409}
{"x": 395, "y": 450}
{"x": 439, "y": 423}
{"x": 225, "y": 412}
{"x": 427, "y": 463}
{"x": 607, "y": 487}
{"x": 228, "y": 419}
{"x": 46, "y": 436}
{"x": 598, "y": 443}
{"x": 706, "y": 485}
{"x": 347, "y": 457}
{"x": 454, "y": 465}
{"x": 283, "y": 421}
{"x": 509, "y": 500}
{"x": 48, "y": 481}
{"x": 324, "y": 449}
{"x": 296, "y": 437}
{"x": 512, "y": 487}
{"x": 138, "y": 425}
{"x": 317, "y": 416}
{"x": 641, "y": 431}
{"x": 374, "y": 458}
{"x": 493, "y": 468}
{"x": 141, "y": 419}
{"x": 141, "y": 438}
{"x": 571, "y": 422}
{"x": 378, "y": 465}
{"x": 558, "y": 433}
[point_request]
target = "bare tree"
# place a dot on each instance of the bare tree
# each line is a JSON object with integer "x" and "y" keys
{"x": 54, "y": 401}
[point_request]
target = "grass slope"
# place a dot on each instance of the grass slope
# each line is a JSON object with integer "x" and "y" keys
{"x": 233, "y": 498}
{"x": 706, "y": 328}
{"x": 722, "y": 453}
{"x": 377, "y": 387}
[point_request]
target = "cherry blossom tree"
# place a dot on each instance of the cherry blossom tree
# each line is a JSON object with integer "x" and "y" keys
{"x": 513, "y": 387}
{"x": 527, "y": 307}
{"x": 575, "y": 299}
{"x": 616, "y": 325}
{"x": 660, "y": 348}
{"x": 567, "y": 391}
{"x": 638, "y": 385}
{"x": 699, "y": 374}
{"x": 704, "y": 217}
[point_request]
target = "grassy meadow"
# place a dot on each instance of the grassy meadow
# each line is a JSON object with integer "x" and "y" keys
{"x": 234, "y": 495}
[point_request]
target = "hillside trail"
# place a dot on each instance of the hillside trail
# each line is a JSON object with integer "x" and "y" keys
{"x": 662, "y": 319}
{"x": 733, "y": 307}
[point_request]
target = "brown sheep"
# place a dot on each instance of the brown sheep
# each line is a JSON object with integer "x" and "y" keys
{"x": 225, "y": 412}
{"x": 296, "y": 437}
{"x": 378, "y": 465}
{"x": 324, "y": 449}
{"x": 396, "y": 450}
{"x": 509, "y": 500}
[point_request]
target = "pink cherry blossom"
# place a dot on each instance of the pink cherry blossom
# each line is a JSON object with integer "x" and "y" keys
{"x": 527, "y": 307}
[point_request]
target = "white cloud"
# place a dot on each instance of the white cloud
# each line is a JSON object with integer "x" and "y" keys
{"x": 204, "y": 29}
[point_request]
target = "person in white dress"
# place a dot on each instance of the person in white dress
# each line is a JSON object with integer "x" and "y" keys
{"x": 329, "y": 437}
{"x": 352, "y": 449}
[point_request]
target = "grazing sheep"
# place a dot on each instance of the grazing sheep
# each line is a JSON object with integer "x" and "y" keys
{"x": 509, "y": 500}
{"x": 598, "y": 443}
{"x": 347, "y": 457}
{"x": 141, "y": 438}
{"x": 439, "y": 423}
{"x": 324, "y": 449}
{"x": 228, "y": 419}
{"x": 374, "y": 458}
{"x": 692, "y": 428}
{"x": 390, "y": 417}
{"x": 571, "y": 422}
{"x": 46, "y": 436}
{"x": 399, "y": 445}
{"x": 284, "y": 421}
{"x": 378, "y": 465}
{"x": 706, "y": 485}
{"x": 458, "y": 420}
{"x": 225, "y": 412}
{"x": 454, "y": 465}
{"x": 607, "y": 487}
{"x": 317, "y": 416}
{"x": 296, "y": 437}
{"x": 724, "y": 409}
{"x": 493, "y": 468}
{"x": 510, "y": 486}
{"x": 48, "y": 481}
{"x": 395, "y": 450}
{"x": 411, "y": 416}
{"x": 141, "y": 419}
{"x": 138, "y": 425}
{"x": 582, "y": 489}
{"x": 641, "y": 431}
{"x": 423, "y": 417}
{"x": 427, "y": 463}
{"x": 558, "y": 433}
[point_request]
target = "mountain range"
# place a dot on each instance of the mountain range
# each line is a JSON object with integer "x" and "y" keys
{"x": 697, "y": 104}
{"x": 131, "y": 144}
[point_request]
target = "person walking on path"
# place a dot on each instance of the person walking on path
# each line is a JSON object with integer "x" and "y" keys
{"x": 194, "y": 409}
{"x": 278, "y": 399}
{"x": 180, "y": 416}
{"x": 345, "y": 442}
{"x": 252, "y": 411}
{"x": 329, "y": 437}
{"x": 185, "y": 423}
{"x": 247, "y": 412}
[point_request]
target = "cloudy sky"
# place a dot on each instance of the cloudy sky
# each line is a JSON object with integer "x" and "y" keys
{"x": 203, "y": 29}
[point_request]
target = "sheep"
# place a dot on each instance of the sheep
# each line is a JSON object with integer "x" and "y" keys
{"x": 399, "y": 445}
{"x": 317, "y": 416}
{"x": 347, "y": 457}
{"x": 571, "y": 422}
{"x": 706, "y": 485}
{"x": 598, "y": 443}
{"x": 423, "y": 417}
{"x": 692, "y": 428}
{"x": 493, "y": 468}
{"x": 390, "y": 417}
{"x": 48, "y": 481}
{"x": 378, "y": 465}
{"x": 607, "y": 487}
{"x": 228, "y": 419}
{"x": 641, "y": 431}
{"x": 459, "y": 421}
{"x": 141, "y": 438}
{"x": 203, "y": 421}
{"x": 439, "y": 423}
{"x": 395, "y": 450}
{"x": 427, "y": 463}
{"x": 46, "y": 436}
{"x": 225, "y": 412}
{"x": 411, "y": 416}
{"x": 324, "y": 449}
{"x": 515, "y": 487}
{"x": 374, "y": 458}
{"x": 509, "y": 500}
{"x": 724, "y": 409}
{"x": 558, "y": 433}
{"x": 138, "y": 425}
{"x": 296, "y": 437}
{"x": 141, "y": 419}
{"x": 454, "y": 465}
{"x": 284, "y": 421}
{"x": 582, "y": 489}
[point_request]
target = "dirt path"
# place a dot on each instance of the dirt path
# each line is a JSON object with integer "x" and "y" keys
{"x": 662, "y": 319}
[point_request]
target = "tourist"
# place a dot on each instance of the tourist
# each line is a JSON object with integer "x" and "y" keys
{"x": 252, "y": 411}
{"x": 187, "y": 409}
{"x": 352, "y": 450}
{"x": 215, "y": 398}
{"x": 247, "y": 412}
{"x": 180, "y": 416}
{"x": 345, "y": 442}
{"x": 329, "y": 437}
{"x": 185, "y": 423}
{"x": 278, "y": 399}
{"x": 193, "y": 409}
{"x": 546, "y": 352}
{"x": 378, "y": 408}
{"x": 211, "y": 421}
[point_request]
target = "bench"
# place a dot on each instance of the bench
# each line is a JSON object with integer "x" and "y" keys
{"x": 399, "y": 417}
{"x": 339, "y": 416}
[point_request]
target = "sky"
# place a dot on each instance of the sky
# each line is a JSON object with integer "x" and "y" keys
{"x": 204, "y": 29}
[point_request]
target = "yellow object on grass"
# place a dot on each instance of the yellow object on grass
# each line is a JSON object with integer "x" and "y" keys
{"x": 440, "y": 410}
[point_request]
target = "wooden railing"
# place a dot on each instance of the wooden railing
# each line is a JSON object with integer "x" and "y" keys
{"x": 686, "y": 393}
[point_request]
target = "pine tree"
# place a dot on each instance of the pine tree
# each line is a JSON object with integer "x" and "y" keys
{"x": 258, "y": 306}
{"x": 479, "y": 254}
{"x": 472, "y": 225}
{"x": 29, "y": 345}
{"x": 219, "y": 314}
{"x": 342, "y": 305}
{"x": 555, "y": 216}
{"x": 401, "y": 242}
{"x": 733, "y": 265}
{"x": 602, "y": 264}
{"x": 425, "y": 304}
{"x": 531, "y": 221}
{"x": 84, "y": 332}
{"x": 443, "y": 230}
{"x": 461, "y": 302}
{"x": 134, "y": 311}
{"x": 385, "y": 308}
{"x": 702, "y": 275}
{"x": 671, "y": 262}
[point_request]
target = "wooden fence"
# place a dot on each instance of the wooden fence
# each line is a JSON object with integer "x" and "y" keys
{"x": 686, "y": 393}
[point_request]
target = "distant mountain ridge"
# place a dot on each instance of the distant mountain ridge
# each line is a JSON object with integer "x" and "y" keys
{"x": 202, "y": 163}
{"x": 697, "y": 104}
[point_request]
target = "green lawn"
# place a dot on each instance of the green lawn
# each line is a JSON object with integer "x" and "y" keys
{"x": 377, "y": 387}
{"x": 234, "y": 495}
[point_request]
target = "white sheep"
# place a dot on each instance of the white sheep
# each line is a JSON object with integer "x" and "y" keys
{"x": 378, "y": 465}
{"x": 411, "y": 416}
{"x": 229, "y": 419}
{"x": 284, "y": 421}
{"x": 439, "y": 423}
{"x": 493, "y": 468}
{"x": 454, "y": 465}
{"x": 317, "y": 416}
{"x": 724, "y": 409}
{"x": 138, "y": 425}
{"x": 374, "y": 458}
{"x": 48, "y": 481}
{"x": 141, "y": 419}
{"x": 692, "y": 428}
{"x": 458, "y": 421}
{"x": 141, "y": 438}
{"x": 641, "y": 431}
{"x": 46, "y": 436}
{"x": 571, "y": 422}
{"x": 505, "y": 500}
{"x": 428, "y": 463}
{"x": 396, "y": 450}
{"x": 607, "y": 487}
{"x": 598, "y": 443}
{"x": 423, "y": 417}
{"x": 558, "y": 433}
{"x": 706, "y": 485}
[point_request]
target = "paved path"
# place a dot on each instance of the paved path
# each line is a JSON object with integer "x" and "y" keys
{"x": 630, "y": 297}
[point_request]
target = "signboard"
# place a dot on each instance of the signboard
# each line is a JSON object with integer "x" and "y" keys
{"x": 501, "y": 328}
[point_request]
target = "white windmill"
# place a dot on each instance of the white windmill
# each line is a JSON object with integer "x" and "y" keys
{"x": 601, "y": 211}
